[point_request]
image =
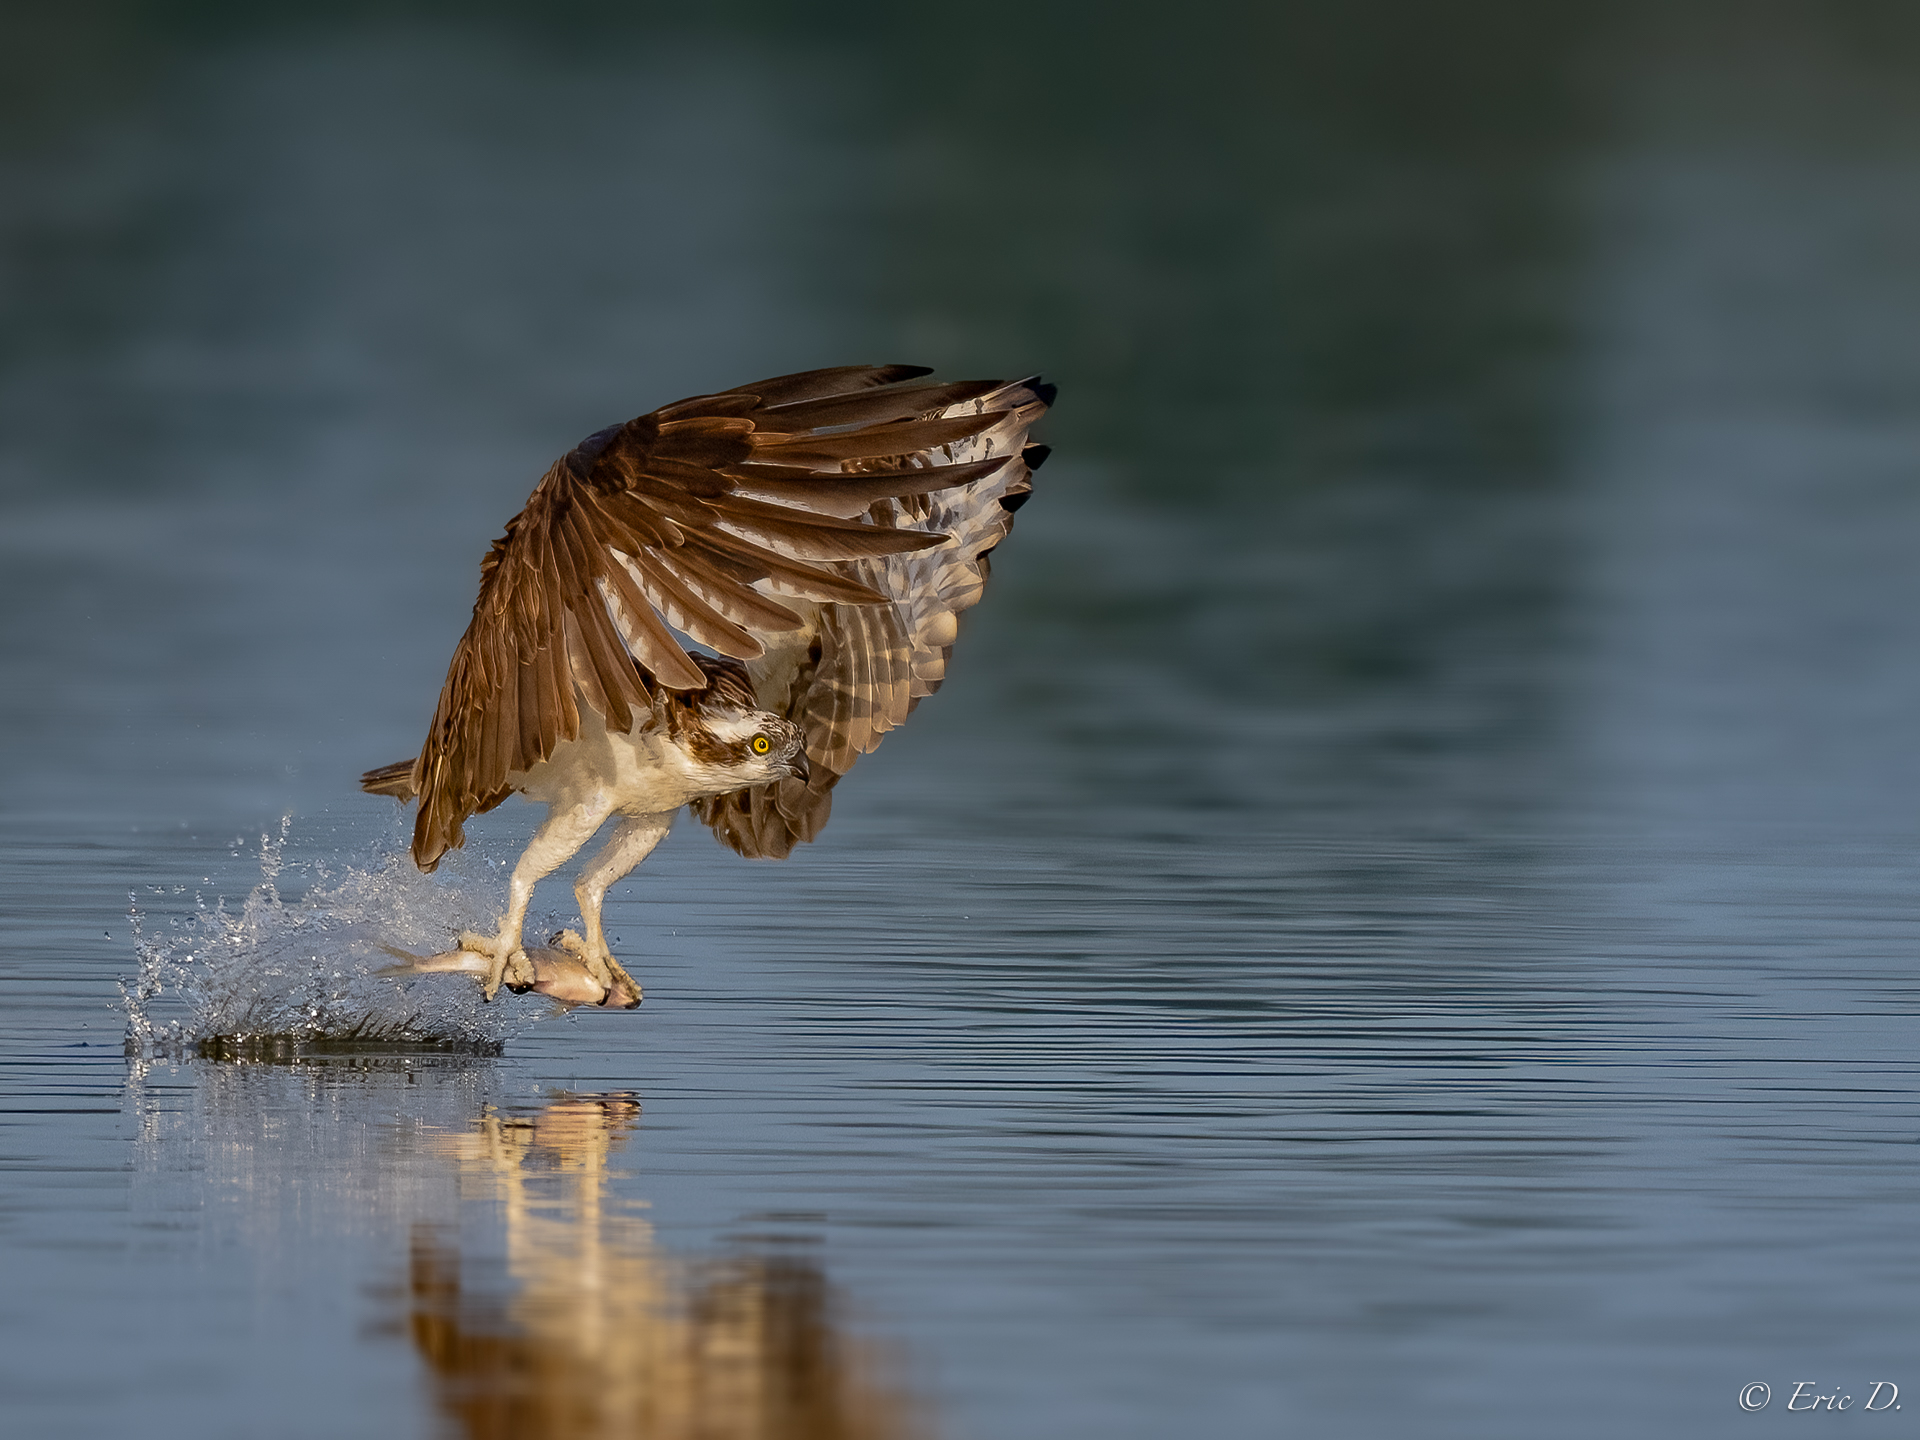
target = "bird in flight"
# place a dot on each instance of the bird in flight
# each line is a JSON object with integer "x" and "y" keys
{"x": 818, "y": 533}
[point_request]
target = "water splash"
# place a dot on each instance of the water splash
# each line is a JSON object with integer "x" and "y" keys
{"x": 276, "y": 977}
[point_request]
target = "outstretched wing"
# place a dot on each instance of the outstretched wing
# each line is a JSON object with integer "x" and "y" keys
{"x": 850, "y": 672}
{"x": 714, "y": 516}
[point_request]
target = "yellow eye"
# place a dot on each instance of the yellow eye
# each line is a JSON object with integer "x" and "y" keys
{"x": 760, "y": 745}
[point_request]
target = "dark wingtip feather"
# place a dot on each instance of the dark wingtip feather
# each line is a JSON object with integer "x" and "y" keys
{"x": 1015, "y": 500}
{"x": 1034, "y": 456}
{"x": 1045, "y": 391}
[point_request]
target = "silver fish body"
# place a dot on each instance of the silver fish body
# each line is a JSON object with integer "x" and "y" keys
{"x": 558, "y": 974}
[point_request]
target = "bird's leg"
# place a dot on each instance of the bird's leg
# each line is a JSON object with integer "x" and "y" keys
{"x": 633, "y": 840}
{"x": 553, "y": 844}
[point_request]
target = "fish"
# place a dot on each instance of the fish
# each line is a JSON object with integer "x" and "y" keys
{"x": 559, "y": 974}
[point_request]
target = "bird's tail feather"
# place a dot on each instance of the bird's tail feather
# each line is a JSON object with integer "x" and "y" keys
{"x": 395, "y": 780}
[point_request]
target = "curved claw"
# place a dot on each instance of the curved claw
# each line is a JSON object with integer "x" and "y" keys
{"x": 518, "y": 972}
{"x": 511, "y": 968}
{"x": 570, "y": 941}
{"x": 623, "y": 993}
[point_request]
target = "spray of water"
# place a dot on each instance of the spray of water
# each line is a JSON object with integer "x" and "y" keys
{"x": 276, "y": 975}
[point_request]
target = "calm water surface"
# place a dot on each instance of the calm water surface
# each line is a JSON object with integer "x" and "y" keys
{"x": 1403, "y": 922}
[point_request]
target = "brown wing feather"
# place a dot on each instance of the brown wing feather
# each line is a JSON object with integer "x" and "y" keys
{"x": 711, "y": 513}
{"x": 856, "y": 671}
{"x": 820, "y": 384}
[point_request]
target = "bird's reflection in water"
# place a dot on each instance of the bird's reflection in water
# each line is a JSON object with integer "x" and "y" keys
{"x": 600, "y": 1334}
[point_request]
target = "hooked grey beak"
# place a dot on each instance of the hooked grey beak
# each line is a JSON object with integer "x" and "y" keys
{"x": 797, "y": 766}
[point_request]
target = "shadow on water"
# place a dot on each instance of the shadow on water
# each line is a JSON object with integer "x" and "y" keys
{"x": 599, "y": 1333}
{"x": 533, "y": 1295}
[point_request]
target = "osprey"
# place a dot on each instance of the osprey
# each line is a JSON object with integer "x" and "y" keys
{"x": 818, "y": 533}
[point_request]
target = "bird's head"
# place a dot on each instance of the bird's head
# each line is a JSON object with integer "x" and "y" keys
{"x": 729, "y": 742}
{"x": 737, "y": 748}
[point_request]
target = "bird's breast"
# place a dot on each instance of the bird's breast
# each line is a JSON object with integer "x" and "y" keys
{"x": 644, "y": 769}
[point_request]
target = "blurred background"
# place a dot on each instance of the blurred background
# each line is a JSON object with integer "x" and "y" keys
{"x": 1404, "y": 913}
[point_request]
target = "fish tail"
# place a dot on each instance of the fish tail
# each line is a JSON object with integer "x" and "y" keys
{"x": 411, "y": 967}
